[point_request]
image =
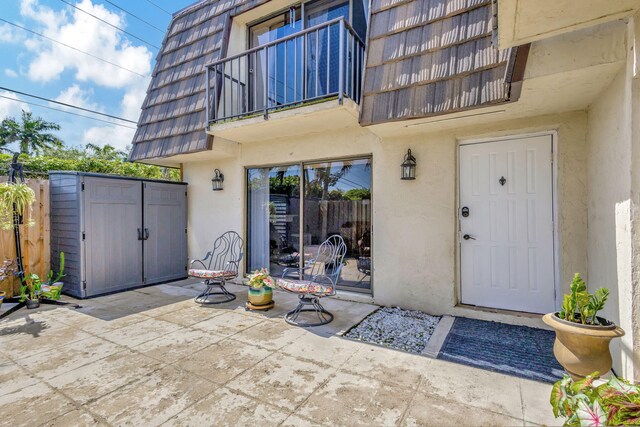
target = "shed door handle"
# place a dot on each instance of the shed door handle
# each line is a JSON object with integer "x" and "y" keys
{"x": 146, "y": 234}
{"x": 140, "y": 234}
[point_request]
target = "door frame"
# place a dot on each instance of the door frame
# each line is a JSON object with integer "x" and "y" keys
{"x": 554, "y": 207}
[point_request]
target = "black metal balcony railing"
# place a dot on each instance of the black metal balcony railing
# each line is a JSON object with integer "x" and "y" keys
{"x": 321, "y": 62}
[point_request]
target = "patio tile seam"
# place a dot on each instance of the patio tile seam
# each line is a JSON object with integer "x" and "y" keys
{"x": 305, "y": 418}
{"x": 122, "y": 349}
{"x": 413, "y": 398}
{"x": 384, "y": 381}
{"x": 323, "y": 383}
{"x": 272, "y": 405}
{"x": 86, "y": 404}
{"x": 521, "y": 400}
{"x": 45, "y": 350}
{"x": 75, "y": 404}
{"x": 28, "y": 372}
{"x": 138, "y": 343}
{"x": 459, "y": 402}
{"x": 259, "y": 346}
{"x": 174, "y": 363}
{"x": 187, "y": 325}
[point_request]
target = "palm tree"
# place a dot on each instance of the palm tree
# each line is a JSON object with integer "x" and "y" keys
{"x": 31, "y": 133}
{"x": 107, "y": 152}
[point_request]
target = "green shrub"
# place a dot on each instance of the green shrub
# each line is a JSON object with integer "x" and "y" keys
{"x": 38, "y": 166}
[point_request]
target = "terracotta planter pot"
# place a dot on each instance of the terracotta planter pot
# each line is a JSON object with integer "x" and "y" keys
{"x": 262, "y": 296}
{"x": 582, "y": 349}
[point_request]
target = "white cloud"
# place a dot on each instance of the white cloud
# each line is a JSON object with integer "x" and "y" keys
{"x": 10, "y": 34}
{"x": 48, "y": 61}
{"x": 116, "y": 136}
{"x": 9, "y": 108}
{"x": 74, "y": 95}
{"x": 133, "y": 99}
{"x": 87, "y": 34}
{"x": 10, "y": 73}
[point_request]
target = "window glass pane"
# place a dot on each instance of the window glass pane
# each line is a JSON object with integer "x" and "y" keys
{"x": 273, "y": 214}
{"x": 281, "y": 69}
{"x": 337, "y": 200}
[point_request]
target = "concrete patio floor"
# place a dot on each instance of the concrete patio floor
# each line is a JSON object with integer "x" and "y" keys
{"x": 152, "y": 356}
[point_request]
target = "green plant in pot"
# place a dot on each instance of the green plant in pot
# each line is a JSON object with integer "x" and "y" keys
{"x": 33, "y": 290}
{"x": 594, "y": 402}
{"x": 261, "y": 288}
{"x": 12, "y": 195}
{"x": 582, "y": 337}
{"x": 53, "y": 287}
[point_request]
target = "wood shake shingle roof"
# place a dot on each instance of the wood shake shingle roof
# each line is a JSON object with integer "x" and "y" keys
{"x": 429, "y": 57}
{"x": 173, "y": 114}
{"x": 424, "y": 58}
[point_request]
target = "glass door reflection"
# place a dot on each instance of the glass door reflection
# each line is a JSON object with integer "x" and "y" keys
{"x": 337, "y": 200}
{"x": 273, "y": 214}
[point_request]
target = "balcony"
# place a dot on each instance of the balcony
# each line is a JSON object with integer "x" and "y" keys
{"x": 321, "y": 63}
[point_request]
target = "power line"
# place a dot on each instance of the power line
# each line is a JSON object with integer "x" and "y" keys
{"x": 67, "y": 105}
{"x": 165, "y": 11}
{"x": 71, "y": 47}
{"x": 110, "y": 24}
{"x": 67, "y": 112}
{"x": 135, "y": 16}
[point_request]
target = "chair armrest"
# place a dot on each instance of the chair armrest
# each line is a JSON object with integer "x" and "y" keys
{"x": 201, "y": 261}
{"x": 236, "y": 264}
{"x": 286, "y": 271}
{"x": 320, "y": 278}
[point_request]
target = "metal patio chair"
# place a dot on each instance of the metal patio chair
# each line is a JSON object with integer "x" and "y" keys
{"x": 319, "y": 278}
{"x": 223, "y": 264}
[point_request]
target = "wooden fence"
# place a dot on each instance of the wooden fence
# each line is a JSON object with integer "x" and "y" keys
{"x": 35, "y": 238}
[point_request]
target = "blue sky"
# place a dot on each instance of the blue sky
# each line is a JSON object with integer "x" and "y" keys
{"x": 34, "y": 65}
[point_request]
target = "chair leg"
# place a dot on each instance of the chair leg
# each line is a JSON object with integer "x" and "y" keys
{"x": 203, "y": 298}
{"x": 323, "y": 315}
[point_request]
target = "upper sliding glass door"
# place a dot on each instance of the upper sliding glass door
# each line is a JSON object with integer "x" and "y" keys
{"x": 282, "y": 85}
{"x": 336, "y": 200}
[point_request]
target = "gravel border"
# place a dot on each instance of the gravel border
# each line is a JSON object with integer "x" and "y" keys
{"x": 393, "y": 327}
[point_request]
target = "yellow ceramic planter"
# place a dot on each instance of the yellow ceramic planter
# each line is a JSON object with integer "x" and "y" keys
{"x": 582, "y": 349}
{"x": 262, "y": 296}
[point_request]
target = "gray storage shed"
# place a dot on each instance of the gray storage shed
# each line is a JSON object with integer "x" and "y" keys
{"x": 117, "y": 232}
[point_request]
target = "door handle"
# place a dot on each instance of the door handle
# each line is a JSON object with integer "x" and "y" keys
{"x": 468, "y": 237}
{"x": 140, "y": 234}
{"x": 146, "y": 234}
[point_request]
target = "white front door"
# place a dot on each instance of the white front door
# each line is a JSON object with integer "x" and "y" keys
{"x": 506, "y": 224}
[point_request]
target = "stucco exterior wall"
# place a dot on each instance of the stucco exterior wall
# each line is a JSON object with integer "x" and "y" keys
{"x": 613, "y": 238}
{"x": 414, "y": 222}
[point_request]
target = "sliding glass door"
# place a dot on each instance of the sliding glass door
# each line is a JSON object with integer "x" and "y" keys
{"x": 336, "y": 199}
{"x": 273, "y": 212}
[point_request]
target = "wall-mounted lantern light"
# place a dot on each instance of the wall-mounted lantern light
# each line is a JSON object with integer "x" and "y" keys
{"x": 217, "y": 180}
{"x": 409, "y": 166}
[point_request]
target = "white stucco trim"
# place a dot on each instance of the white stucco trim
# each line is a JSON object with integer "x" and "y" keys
{"x": 554, "y": 182}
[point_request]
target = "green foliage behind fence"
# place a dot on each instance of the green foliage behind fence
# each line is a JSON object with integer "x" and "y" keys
{"x": 38, "y": 166}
